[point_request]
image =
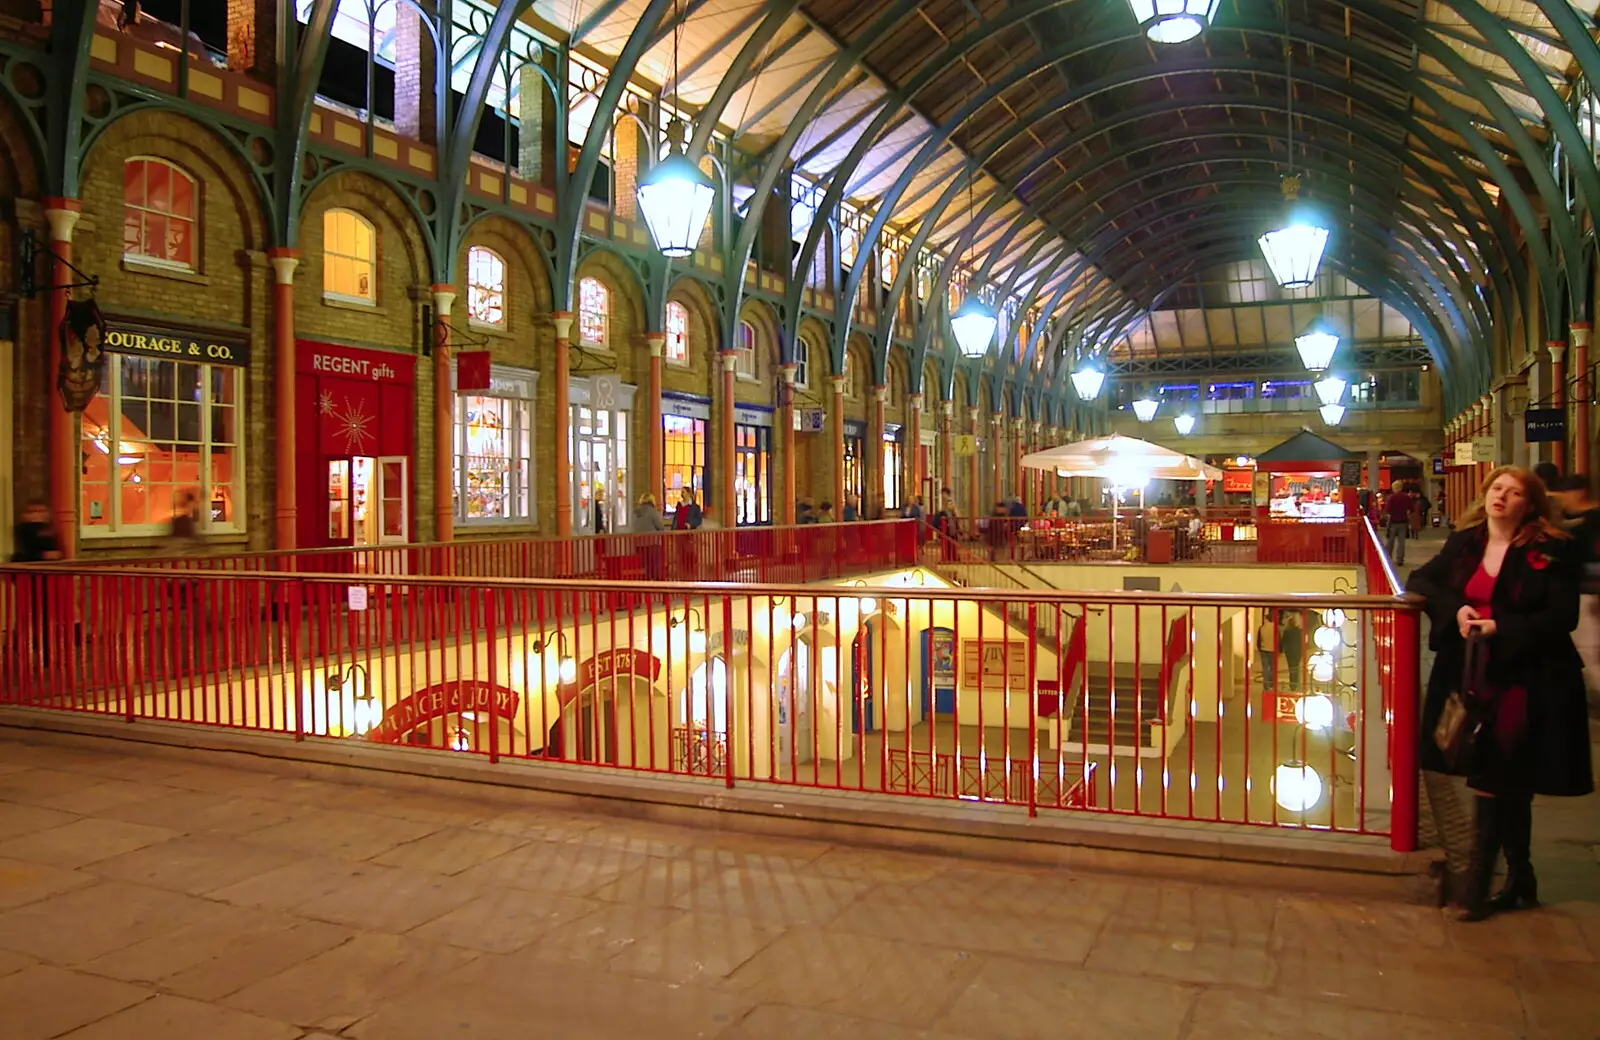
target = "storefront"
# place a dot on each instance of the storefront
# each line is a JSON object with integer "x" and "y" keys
{"x": 166, "y": 426}
{"x": 354, "y": 444}
{"x": 855, "y": 459}
{"x": 752, "y": 464}
{"x": 494, "y": 479}
{"x": 602, "y": 407}
{"x": 685, "y": 420}
{"x": 894, "y": 458}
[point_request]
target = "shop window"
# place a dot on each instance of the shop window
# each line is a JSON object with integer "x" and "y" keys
{"x": 752, "y": 462}
{"x": 745, "y": 353}
{"x": 677, "y": 346}
{"x": 349, "y": 257}
{"x": 594, "y": 313}
{"x": 494, "y": 451}
{"x": 684, "y": 468}
{"x": 159, "y": 434}
{"x": 486, "y": 287}
{"x": 893, "y": 470}
{"x": 159, "y": 201}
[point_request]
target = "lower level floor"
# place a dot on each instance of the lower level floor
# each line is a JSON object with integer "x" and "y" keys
{"x": 181, "y": 895}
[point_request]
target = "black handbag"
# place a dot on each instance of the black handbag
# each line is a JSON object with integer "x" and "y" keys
{"x": 1463, "y": 727}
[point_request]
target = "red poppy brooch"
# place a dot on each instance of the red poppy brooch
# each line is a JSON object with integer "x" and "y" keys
{"x": 1538, "y": 560}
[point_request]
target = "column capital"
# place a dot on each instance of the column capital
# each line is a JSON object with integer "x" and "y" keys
{"x": 656, "y": 342}
{"x": 1581, "y": 331}
{"x": 838, "y": 383}
{"x": 949, "y": 409}
{"x": 972, "y": 413}
{"x": 730, "y": 358}
{"x": 283, "y": 262}
{"x": 62, "y": 217}
{"x": 1557, "y": 349}
{"x": 563, "y": 321}
{"x": 915, "y": 401}
{"x": 444, "y": 297}
{"x": 880, "y": 393}
{"x": 788, "y": 371}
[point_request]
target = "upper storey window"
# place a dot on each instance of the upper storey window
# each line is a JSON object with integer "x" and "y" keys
{"x": 594, "y": 313}
{"x": 677, "y": 345}
{"x": 745, "y": 354}
{"x": 349, "y": 257}
{"x": 159, "y": 204}
{"x": 486, "y": 287}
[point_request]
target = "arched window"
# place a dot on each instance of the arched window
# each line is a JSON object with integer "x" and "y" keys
{"x": 594, "y": 312}
{"x": 159, "y": 206}
{"x": 486, "y": 287}
{"x": 849, "y": 245}
{"x": 888, "y": 266}
{"x": 802, "y": 363}
{"x": 707, "y": 706}
{"x": 677, "y": 347}
{"x": 745, "y": 353}
{"x": 349, "y": 257}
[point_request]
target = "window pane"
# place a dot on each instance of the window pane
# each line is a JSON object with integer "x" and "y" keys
{"x": 486, "y": 286}
{"x": 594, "y": 303}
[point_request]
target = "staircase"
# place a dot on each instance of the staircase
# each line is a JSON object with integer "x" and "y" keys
{"x": 1106, "y": 717}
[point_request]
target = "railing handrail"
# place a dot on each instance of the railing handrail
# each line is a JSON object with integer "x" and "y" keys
{"x": 820, "y": 590}
{"x": 1385, "y": 565}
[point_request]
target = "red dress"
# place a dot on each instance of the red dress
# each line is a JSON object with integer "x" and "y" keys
{"x": 1506, "y": 767}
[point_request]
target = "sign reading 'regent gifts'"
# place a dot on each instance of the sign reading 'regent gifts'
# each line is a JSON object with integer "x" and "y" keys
{"x": 198, "y": 347}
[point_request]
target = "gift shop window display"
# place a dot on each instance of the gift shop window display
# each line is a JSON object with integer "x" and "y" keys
{"x": 494, "y": 450}
{"x": 684, "y": 422}
{"x": 354, "y": 432}
{"x": 855, "y": 457}
{"x": 602, "y": 407}
{"x": 160, "y": 430}
{"x": 893, "y": 466}
{"x": 1307, "y": 496}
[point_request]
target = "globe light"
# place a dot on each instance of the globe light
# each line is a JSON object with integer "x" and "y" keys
{"x": 1145, "y": 409}
{"x": 366, "y": 712}
{"x": 973, "y": 324}
{"x": 1321, "y": 667}
{"x": 1174, "y": 21}
{"x": 1330, "y": 390}
{"x": 1332, "y": 414}
{"x": 1088, "y": 381}
{"x": 1184, "y": 424}
{"x": 1327, "y": 639}
{"x": 1294, "y": 251}
{"x": 675, "y": 199}
{"x": 568, "y": 670}
{"x": 1314, "y": 713}
{"x": 1316, "y": 346}
{"x": 1297, "y": 787}
{"x": 1333, "y": 617}
{"x": 868, "y": 605}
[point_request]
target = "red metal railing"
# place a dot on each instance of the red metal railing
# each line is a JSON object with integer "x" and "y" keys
{"x": 812, "y": 552}
{"x": 1135, "y": 704}
{"x": 1135, "y": 538}
{"x": 1396, "y": 641}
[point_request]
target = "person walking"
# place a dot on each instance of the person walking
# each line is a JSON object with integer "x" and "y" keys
{"x": 1267, "y": 651}
{"x": 1292, "y": 642}
{"x": 688, "y": 516}
{"x": 1397, "y": 508}
{"x": 1506, "y": 577}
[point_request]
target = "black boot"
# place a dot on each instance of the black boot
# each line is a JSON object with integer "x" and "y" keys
{"x": 1480, "y": 868}
{"x": 1516, "y": 835}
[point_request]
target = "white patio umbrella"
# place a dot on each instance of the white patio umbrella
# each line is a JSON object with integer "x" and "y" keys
{"x": 1125, "y": 462}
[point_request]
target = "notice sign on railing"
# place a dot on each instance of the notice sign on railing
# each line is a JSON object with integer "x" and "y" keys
{"x": 996, "y": 665}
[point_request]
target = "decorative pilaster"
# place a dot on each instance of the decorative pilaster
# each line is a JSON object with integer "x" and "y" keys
{"x": 284, "y": 262}
{"x": 563, "y": 435}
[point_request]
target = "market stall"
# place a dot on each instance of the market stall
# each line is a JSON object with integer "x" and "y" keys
{"x": 1298, "y": 490}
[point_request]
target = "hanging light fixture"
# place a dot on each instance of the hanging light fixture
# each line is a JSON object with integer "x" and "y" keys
{"x": 1297, "y": 787}
{"x": 1087, "y": 381}
{"x": 1316, "y": 346}
{"x": 1330, "y": 390}
{"x": 973, "y": 324}
{"x": 1293, "y": 251}
{"x": 1174, "y": 21}
{"x": 1332, "y": 414}
{"x": 675, "y": 195}
{"x": 1145, "y": 409}
{"x": 1184, "y": 424}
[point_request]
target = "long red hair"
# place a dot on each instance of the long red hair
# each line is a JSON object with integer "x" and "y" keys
{"x": 1539, "y": 522}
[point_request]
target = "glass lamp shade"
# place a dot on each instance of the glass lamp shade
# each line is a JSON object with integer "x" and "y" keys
{"x": 974, "y": 326}
{"x": 1321, "y": 666}
{"x": 1333, "y": 617}
{"x": 1184, "y": 424}
{"x": 1330, "y": 390}
{"x": 1088, "y": 381}
{"x": 1174, "y": 21}
{"x": 675, "y": 198}
{"x": 1145, "y": 409}
{"x": 1297, "y": 787}
{"x": 568, "y": 670}
{"x": 1327, "y": 639}
{"x": 1294, "y": 252}
{"x": 1315, "y": 712}
{"x": 1316, "y": 346}
{"x": 1332, "y": 414}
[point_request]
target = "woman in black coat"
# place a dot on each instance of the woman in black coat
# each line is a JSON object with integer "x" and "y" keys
{"x": 1505, "y": 574}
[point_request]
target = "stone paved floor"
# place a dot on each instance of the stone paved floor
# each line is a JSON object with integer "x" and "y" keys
{"x": 182, "y": 899}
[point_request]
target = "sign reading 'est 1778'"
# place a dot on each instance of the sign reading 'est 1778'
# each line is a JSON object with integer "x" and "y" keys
{"x": 175, "y": 345}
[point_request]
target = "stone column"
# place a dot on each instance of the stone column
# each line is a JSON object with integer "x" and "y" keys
{"x": 563, "y": 375}
{"x": 284, "y": 454}
{"x": 913, "y": 441}
{"x": 62, "y": 433}
{"x": 728, "y": 509}
{"x": 1558, "y": 395}
{"x": 444, "y": 418}
{"x": 837, "y": 426}
{"x": 1582, "y": 390}
{"x": 656, "y": 342}
{"x": 786, "y": 442}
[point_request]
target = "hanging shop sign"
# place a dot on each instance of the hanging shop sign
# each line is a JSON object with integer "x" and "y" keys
{"x": 965, "y": 444}
{"x": 83, "y": 356}
{"x": 177, "y": 345}
{"x": 1483, "y": 449}
{"x": 996, "y": 665}
{"x": 1438, "y": 465}
{"x": 810, "y": 420}
{"x": 1463, "y": 454}
{"x": 1544, "y": 425}
{"x": 440, "y": 700}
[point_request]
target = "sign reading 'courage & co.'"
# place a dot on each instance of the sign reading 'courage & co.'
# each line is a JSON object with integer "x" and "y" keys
{"x": 200, "y": 348}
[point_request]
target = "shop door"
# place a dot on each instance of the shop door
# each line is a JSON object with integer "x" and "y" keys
{"x": 367, "y": 501}
{"x": 599, "y": 471}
